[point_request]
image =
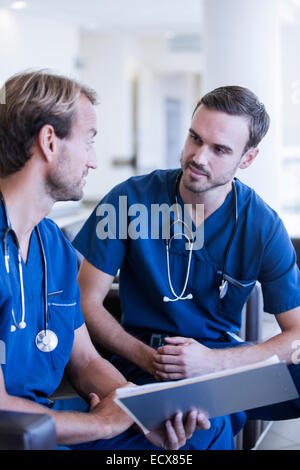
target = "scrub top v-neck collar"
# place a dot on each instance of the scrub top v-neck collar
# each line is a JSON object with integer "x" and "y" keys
{"x": 32, "y": 253}
{"x": 215, "y": 221}
{"x": 32, "y": 268}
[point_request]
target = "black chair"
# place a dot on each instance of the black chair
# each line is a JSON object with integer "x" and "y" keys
{"x": 251, "y": 331}
{"x": 26, "y": 431}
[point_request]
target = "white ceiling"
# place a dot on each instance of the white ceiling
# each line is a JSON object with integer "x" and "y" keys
{"x": 134, "y": 16}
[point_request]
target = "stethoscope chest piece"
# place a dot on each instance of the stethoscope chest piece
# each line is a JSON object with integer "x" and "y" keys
{"x": 46, "y": 340}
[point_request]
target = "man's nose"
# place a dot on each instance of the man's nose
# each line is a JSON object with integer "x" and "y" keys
{"x": 92, "y": 163}
{"x": 201, "y": 155}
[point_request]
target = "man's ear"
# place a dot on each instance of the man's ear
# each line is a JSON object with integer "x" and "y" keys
{"x": 248, "y": 158}
{"x": 47, "y": 142}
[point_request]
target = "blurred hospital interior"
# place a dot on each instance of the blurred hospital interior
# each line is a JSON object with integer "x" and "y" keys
{"x": 150, "y": 62}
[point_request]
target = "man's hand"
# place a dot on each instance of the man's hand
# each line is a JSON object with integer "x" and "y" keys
{"x": 182, "y": 358}
{"x": 176, "y": 432}
{"x": 145, "y": 358}
{"x": 172, "y": 437}
{"x": 112, "y": 419}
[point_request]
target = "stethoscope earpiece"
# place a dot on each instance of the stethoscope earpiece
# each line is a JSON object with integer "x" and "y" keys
{"x": 187, "y": 297}
{"x": 20, "y": 326}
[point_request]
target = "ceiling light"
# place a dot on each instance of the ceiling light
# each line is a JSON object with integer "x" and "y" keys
{"x": 18, "y": 5}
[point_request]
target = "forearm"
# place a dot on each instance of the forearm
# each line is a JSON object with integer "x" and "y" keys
{"x": 98, "y": 376}
{"x": 71, "y": 427}
{"x": 104, "y": 329}
{"x": 108, "y": 333}
{"x": 185, "y": 357}
{"x": 281, "y": 345}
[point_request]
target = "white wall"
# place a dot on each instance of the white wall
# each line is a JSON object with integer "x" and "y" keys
{"x": 110, "y": 63}
{"x": 154, "y": 89}
{"x": 242, "y": 48}
{"x": 163, "y": 74}
{"x": 108, "y": 66}
{"x": 34, "y": 42}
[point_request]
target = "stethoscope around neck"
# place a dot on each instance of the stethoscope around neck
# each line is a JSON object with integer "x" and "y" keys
{"x": 188, "y": 235}
{"x": 45, "y": 340}
{"x": 168, "y": 241}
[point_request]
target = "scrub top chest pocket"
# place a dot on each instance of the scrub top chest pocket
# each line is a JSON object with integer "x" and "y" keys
{"x": 61, "y": 315}
{"x": 236, "y": 296}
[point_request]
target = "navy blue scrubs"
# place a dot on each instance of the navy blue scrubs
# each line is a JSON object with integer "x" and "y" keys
{"x": 28, "y": 372}
{"x": 35, "y": 375}
{"x": 261, "y": 251}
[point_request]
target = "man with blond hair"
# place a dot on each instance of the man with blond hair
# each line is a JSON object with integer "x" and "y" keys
{"x": 47, "y": 127}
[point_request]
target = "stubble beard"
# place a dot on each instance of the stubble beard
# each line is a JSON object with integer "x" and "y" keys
{"x": 58, "y": 184}
{"x": 198, "y": 187}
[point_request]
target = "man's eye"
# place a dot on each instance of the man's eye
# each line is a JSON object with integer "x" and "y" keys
{"x": 195, "y": 138}
{"x": 219, "y": 150}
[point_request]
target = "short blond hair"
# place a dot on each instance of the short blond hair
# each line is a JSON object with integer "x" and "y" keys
{"x": 32, "y": 100}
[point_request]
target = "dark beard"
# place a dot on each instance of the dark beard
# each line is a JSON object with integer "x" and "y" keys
{"x": 210, "y": 184}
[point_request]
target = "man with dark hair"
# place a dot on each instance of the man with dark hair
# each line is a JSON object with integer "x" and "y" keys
{"x": 238, "y": 101}
{"x": 182, "y": 304}
{"x": 47, "y": 127}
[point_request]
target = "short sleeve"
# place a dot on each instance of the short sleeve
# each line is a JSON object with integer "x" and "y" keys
{"x": 79, "y": 319}
{"x": 101, "y": 240}
{"x": 279, "y": 275}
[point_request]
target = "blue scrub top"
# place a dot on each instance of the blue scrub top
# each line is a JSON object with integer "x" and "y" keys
{"x": 28, "y": 372}
{"x": 261, "y": 250}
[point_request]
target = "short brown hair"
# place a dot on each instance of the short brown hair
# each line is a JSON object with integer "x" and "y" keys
{"x": 33, "y": 99}
{"x": 239, "y": 101}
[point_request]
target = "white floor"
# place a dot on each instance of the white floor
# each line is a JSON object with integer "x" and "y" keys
{"x": 282, "y": 435}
